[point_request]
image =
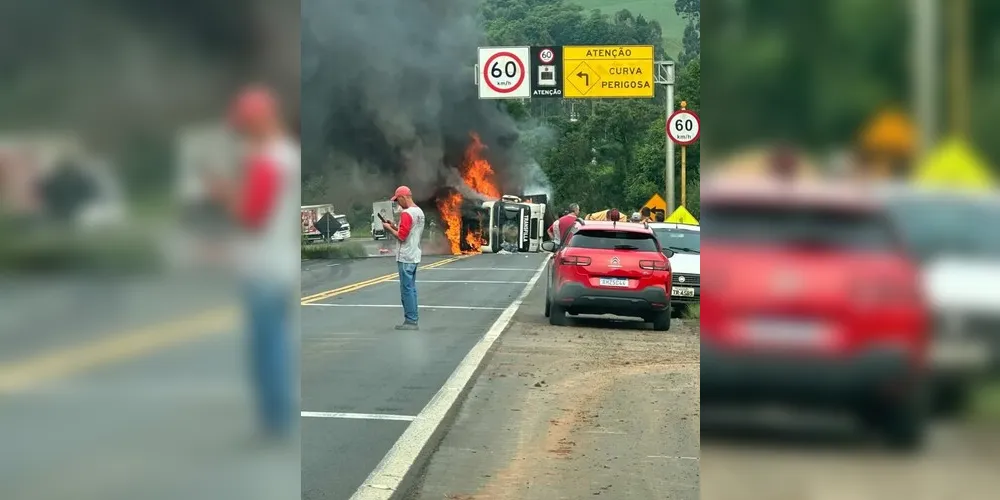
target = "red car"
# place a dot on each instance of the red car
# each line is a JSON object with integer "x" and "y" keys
{"x": 809, "y": 299}
{"x": 609, "y": 268}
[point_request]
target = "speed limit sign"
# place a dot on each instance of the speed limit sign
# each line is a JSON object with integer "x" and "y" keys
{"x": 503, "y": 72}
{"x": 684, "y": 127}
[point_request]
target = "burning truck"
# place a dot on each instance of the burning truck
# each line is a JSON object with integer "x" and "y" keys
{"x": 478, "y": 218}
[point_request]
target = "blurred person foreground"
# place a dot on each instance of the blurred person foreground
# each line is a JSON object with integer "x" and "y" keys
{"x": 121, "y": 361}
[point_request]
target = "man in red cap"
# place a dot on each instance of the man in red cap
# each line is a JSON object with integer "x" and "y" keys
{"x": 411, "y": 226}
{"x": 265, "y": 204}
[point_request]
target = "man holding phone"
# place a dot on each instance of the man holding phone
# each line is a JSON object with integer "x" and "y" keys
{"x": 411, "y": 226}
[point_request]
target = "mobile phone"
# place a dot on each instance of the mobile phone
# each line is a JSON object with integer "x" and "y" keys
{"x": 381, "y": 218}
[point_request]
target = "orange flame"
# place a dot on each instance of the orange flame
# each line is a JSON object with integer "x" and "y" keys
{"x": 451, "y": 216}
{"x": 477, "y": 174}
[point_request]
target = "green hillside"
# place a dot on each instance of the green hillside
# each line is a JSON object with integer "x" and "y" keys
{"x": 661, "y": 11}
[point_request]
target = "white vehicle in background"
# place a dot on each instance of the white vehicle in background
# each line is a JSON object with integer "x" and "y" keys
{"x": 685, "y": 241}
{"x": 390, "y": 211}
{"x": 954, "y": 237}
{"x": 320, "y": 223}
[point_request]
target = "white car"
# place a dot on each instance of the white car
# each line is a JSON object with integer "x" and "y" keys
{"x": 951, "y": 234}
{"x": 344, "y": 233}
{"x": 685, "y": 241}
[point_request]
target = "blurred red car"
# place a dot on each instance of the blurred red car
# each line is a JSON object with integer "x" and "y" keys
{"x": 609, "y": 268}
{"x": 809, "y": 299}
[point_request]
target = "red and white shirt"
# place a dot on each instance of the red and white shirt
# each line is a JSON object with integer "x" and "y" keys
{"x": 269, "y": 213}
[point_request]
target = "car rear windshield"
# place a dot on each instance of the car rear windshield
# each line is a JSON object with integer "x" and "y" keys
{"x": 797, "y": 225}
{"x": 613, "y": 240}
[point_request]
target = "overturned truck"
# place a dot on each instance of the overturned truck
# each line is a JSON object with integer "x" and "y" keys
{"x": 512, "y": 223}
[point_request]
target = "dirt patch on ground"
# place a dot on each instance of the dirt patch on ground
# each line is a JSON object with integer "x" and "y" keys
{"x": 600, "y": 408}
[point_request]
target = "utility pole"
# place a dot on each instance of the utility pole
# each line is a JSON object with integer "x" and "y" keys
{"x": 926, "y": 70}
{"x": 959, "y": 70}
{"x": 665, "y": 76}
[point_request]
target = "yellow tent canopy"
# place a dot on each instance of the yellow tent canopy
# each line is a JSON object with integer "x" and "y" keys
{"x": 602, "y": 215}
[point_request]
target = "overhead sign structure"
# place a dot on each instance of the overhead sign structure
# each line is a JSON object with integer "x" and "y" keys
{"x": 503, "y": 73}
{"x": 608, "y": 71}
{"x": 684, "y": 127}
{"x": 546, "y": 72}
{"x": 682, "y": 216}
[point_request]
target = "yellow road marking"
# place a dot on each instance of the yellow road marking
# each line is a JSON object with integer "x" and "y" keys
{"x": 374, "y": 281}
{"x": 26, "y": 374}
{"x": 23, "y": 375}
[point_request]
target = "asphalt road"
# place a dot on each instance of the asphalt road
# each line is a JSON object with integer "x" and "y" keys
{"x": 362, "y": 381}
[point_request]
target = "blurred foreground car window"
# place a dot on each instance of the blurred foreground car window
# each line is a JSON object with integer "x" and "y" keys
{"x": 779, "y": 225}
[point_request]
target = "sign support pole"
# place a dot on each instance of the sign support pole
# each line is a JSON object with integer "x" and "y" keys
{"x": 684, "y": 176}
{"x": 665, "y": 77}
{"x": 683, "y": 168}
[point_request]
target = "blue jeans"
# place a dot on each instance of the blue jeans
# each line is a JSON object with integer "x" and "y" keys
{"x": 408, "y": 290}
{"x": 269, "y": 314}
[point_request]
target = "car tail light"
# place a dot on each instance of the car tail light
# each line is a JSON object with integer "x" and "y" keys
{"x": 575, "y": 261}
{"x": 653, "y": 265}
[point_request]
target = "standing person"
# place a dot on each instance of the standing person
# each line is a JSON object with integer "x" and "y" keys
{"x": 644, "y": 215}
{"x": 560, "y": 228}
{"x": 265, "y": 205}
{"x": 411, "y": 225}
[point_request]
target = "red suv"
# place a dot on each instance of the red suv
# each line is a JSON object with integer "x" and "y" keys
{"x": 809, "y": 299}
{"x": 609, "y": 268}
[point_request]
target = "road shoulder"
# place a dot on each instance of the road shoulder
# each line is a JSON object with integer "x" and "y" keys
{"x": 598, "y": 408}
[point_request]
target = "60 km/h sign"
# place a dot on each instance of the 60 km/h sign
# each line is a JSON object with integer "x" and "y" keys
{"x": 503, "y": 73}
{"x": 605, "y": 71}
{"x": 684, "y": 127}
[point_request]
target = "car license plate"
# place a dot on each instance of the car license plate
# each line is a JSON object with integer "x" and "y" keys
{"x": 682, "y": 291}
{"x": 614, "y": 282}
{"x": 789, "y": 333}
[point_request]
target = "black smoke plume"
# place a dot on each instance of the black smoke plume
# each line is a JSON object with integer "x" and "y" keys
{"x": 389, "y": 98}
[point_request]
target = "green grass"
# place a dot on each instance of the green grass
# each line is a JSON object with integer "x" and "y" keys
{"x": 345, "y": 250}
{"x": 692, "y": 311}
{"x": 661, "y": 11}
{"x": 986, "y": 402}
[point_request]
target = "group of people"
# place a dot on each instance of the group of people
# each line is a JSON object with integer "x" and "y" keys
{"x": 560, "y": 228}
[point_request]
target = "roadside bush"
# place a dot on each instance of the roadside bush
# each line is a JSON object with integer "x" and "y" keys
{"x": 65, "y": 251}
{"x": 346, "y": 250}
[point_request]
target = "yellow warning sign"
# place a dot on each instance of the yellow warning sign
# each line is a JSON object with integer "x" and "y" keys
{"x": 954, "y": 164}
{"x": 682, "y": 216}
{"x": 890, "y": 132}
{"x": 608, "y": 71}
{"x": 656, "y": 203}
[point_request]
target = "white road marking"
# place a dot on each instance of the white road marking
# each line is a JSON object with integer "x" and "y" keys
{"x": 331, "y": 265}
{"x": 473, "y": 282}
{"x": 358, "y": 416}
{"x": 388, "y": 476}
{"x": 398, "y": 306}
{"x": 482, "y": 268}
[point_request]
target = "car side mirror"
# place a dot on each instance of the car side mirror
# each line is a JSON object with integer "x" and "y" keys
{"x": 549, "y": 246}
{"x": 668, "y": 252}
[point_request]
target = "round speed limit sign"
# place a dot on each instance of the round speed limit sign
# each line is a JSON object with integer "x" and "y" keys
{"x": 684, "y": 127}
{"x": 503, "y": 72}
